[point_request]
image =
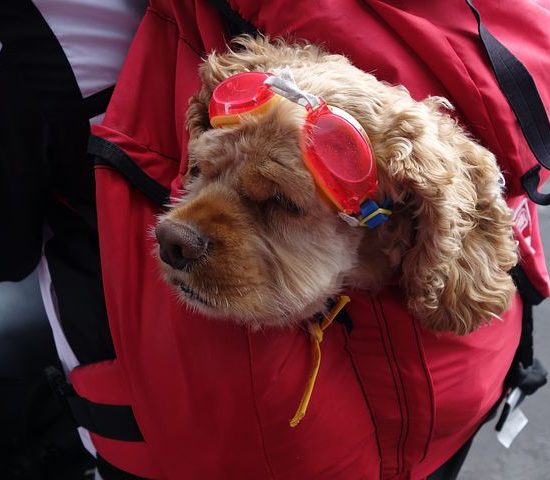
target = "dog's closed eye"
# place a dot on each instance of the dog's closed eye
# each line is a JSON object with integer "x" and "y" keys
{"x": 278, "y": 201}
{"x": 194, "y": 170}
{"x": 287, "y": 204}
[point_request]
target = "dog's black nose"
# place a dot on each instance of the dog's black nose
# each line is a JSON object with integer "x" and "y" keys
{"x": 180, "y": 245}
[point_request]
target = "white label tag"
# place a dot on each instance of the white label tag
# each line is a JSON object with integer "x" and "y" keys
{"x": 514, "y": 424}
{"x": 522, "y": 219}
{"x": 514, "y": 398}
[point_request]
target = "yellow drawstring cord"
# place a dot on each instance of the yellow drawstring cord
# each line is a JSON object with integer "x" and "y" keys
{"x": 316, "y": 335}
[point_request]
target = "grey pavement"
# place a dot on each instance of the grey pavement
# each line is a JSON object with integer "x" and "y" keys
{"x": 528, "y": 458}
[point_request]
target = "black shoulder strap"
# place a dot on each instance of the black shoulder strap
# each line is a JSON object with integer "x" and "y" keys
{"x": 116, "y": 422}
{"x": 110, "y": 421}
{"x": 521, "y": 92}
{"x": 107, "y": 153}
{"x": 96, "y": 104}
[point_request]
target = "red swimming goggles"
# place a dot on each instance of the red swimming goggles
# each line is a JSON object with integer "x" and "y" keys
{"x": 335, "y": 147}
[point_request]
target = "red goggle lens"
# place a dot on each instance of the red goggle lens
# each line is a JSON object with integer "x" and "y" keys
{"x": 241, "y": 93}
{"x": 340, "y": 158}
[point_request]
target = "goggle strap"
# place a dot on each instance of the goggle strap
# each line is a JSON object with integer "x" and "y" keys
{"x": 282, "y": 83}
{"x": 373, "y": 214}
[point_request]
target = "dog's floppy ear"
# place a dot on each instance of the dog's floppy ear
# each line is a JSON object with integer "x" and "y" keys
{"x": 198, "y": 120}
{"x": 456, "y": 271}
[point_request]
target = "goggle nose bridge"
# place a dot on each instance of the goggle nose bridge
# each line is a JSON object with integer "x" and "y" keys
{"x": 283, "y": 83}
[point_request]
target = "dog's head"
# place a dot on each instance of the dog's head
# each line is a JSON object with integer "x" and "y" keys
{"x": 254, "y": 239}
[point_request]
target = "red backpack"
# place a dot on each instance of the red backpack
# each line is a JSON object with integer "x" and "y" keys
{"x": 188, "y": 397}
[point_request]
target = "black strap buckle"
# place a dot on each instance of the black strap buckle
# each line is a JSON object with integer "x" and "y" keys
{"x": 57, "y": 382}
{"x": 110, "y": 421}
{"x": 532, "y": 377}
{"x": 529, "y": 380}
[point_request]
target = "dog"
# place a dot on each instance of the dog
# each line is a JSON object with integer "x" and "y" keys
{"x": 253, "y": 239}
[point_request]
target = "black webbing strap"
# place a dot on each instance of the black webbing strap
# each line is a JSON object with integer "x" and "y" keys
{"x": 96, "y": 104}
{"x": 107, "y": 153}
{"x": 521, "y": 92}
{"x": 109, "y": 421}
{"x": 110, "y": 472}
{"x": 528, "y": 292}
{"x": 530, "y": 181}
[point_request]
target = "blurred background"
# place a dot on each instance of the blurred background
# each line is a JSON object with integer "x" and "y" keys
{"x": 38, "y": 440}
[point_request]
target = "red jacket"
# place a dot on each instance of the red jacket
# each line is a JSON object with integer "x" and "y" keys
{"x": 213, "y": 400}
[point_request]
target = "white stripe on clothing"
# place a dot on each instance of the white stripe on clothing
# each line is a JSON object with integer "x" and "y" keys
{"x": 95, "y": 36}
{"x": 64, "y": 351}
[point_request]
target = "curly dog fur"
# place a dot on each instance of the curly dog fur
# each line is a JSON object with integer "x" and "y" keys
{"x": 277, "y": 251}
